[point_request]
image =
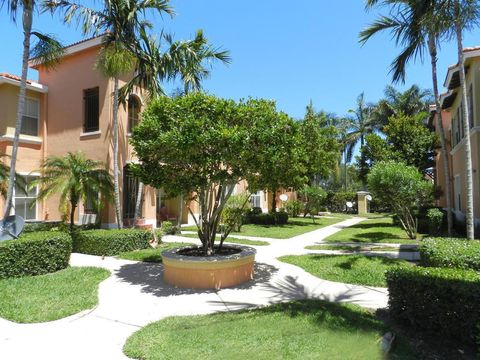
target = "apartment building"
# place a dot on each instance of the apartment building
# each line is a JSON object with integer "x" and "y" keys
{"x": 70, "y": 109}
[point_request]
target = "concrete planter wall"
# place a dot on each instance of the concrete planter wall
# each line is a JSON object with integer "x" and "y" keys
{"x": 212, "y": 272}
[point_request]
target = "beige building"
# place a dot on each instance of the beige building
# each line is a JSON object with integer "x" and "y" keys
{"x": 452, "y": 105}
{"x": 70, "y": 109}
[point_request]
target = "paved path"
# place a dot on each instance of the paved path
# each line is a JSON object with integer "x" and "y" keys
{"x": 136, "y": 295}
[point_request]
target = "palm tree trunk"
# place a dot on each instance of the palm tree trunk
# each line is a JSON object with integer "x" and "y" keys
{"x": 27, "y": 29}
{"x": 446, "y": 160}
{"x": 466, "y": 128}
{"x": 72, "y": 215}
{"x": 180, "y": 215}
{"x": 118, "y": 210}
{"x": 138, "y": 203}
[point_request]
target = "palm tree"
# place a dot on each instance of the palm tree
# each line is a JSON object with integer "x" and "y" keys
{"x": 74, "y": 178}
{"x": 48, "y": 51}
{"x": 463, "y": 14}
{"x": 364, "y": 121}
{"x": 417, "y": 26}
{"x": 122, "y": 21}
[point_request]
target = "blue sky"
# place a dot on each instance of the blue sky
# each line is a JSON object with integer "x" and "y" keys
{"x": 289, "y": 52}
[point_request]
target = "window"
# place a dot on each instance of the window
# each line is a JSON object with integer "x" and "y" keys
{"x": 25, "y": 201}
{"x": 30, "y": 118}
{"x": 130, "y": 189}
{"x": 90, "y": 110}
{"x": 458, "y": 193}
{"x": 255, "y": 199}
{"x": 90, "y": 205}
{"x": 133, "y": 113}
{"x": 470, "y": 106}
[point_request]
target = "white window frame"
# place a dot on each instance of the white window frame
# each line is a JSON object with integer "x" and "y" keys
{"x": 26, "y": 197}
{"x": 254, "y": 196}
{"x": 37, "y": 101}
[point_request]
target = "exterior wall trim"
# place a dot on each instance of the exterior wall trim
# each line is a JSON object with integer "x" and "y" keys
{"x": 457, "y": 147}
{"x": 25, "y": 139}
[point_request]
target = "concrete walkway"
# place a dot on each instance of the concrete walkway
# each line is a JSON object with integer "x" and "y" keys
{"x": 136, "y": 295}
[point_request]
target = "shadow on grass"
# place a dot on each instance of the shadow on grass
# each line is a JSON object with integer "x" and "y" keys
{"x": 150, "y": 277}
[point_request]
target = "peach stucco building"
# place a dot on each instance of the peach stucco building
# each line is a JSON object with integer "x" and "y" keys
{"x": 70, "y": 109}
{"x": 452, "y": 105}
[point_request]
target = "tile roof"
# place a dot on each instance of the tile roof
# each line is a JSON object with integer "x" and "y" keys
{"x": 15, "y": 77}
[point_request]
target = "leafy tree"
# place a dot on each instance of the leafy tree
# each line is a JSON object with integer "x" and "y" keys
{"x": 46, "y": 51}
{"x": 201, "y": 145}
{"x": 4, "y": 170}
{"x": 314, "y": 197}
{"x": 74, "y": 178}
{"x": 407, "y": 140}
{"x": 403, "y": 188}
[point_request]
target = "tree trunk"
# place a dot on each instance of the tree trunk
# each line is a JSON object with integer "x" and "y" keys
{"x": 72, "y": 215}
{"x": 27, "y": 28}
{"x": 443, "y": 140}
{"x": 466, "y": 128}
{"x": 274, "y": 202}
{"x": 138, "y": 203}
{"x": 180, "y": 215}
{"x": 116, "y": 187}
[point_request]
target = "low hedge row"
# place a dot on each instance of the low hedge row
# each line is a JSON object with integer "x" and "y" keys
{"x": 444, "y": 302}
{"x": 110, "y": 242}
{"x": 278, "y": 218}
{"x": 35, "y": 254}
{"x": 451, "y": 253}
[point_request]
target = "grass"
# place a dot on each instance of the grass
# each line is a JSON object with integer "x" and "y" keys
{"x": 52, "y": 296}
{"x": 309, "y": 329}
{"x": 359, "y": 248}
{"x": 350, "y": 269}
{"x": 378, "y": 229}
{"x": 151, "y": 254}
{"x": 295, "y": 226}
{"x": 234, "y": 240}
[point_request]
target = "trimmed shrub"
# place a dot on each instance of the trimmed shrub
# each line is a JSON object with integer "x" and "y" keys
{"x": 110, "y": 242}
{"x": 167, "y": 228}
{"x": 451, "y": 253}
{"x": 35, "y": 253}
{"x": 41, "y": 226}
{"x": 437, "y": 300}
{"x": 294, "y": 207}
{"x": 278, "y": 218}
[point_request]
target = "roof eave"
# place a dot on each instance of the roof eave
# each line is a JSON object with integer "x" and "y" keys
{"x": 32, "y": 86}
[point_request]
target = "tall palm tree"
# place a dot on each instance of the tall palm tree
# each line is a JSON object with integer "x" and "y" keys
{"x": 364, "y": 121}
{"x": 48, "y": 51}
{"x": 74, "y": 178}
{"x": 463, "y": 15}
{"x": 417, "y": 26}
{"x": 122, "y": 21}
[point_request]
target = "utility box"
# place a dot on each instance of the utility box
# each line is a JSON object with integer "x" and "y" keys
{"x": 363, "y": 202}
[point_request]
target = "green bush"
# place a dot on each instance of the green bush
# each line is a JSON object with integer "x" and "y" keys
{"x": 451, "y": 253}
{"x": 110, "y": 242}
{"x": 35, "y": 253}
{"x": 167, "y": 228}
{"x": 435, "y": 220}
{"x": 235, "y": 210}
{"x": 294, "y": 207}
{"x": 278, "y": 218}
{"x": 441, "y": 301}
{"x": 41, "y": 226}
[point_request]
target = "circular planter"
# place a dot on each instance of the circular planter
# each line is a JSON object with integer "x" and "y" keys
{"x": 208, "y": 272}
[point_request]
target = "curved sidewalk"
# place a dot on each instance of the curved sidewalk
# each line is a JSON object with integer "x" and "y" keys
{"x": 136, "y": 295}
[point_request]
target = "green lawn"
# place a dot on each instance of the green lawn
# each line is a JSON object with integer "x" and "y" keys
{"x": 151, "y": 254}
{"x": 52, "y": 296}
{"x": 234, "y": 240}
{"x": 295, "y": 226}
{"x": 379, "y": 229}
{"x": 358, "y": 248}
{"x": 350, "y": 269}
{"x": 309, "y": 329}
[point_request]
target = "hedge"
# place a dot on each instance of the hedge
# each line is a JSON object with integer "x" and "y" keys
{"x": 278, "y": 218}
{"x": 110, "y": 242}
{"x": 444, "y": 302}
{"x": 451, "y": 253}
{"x": 35, "y": 254}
